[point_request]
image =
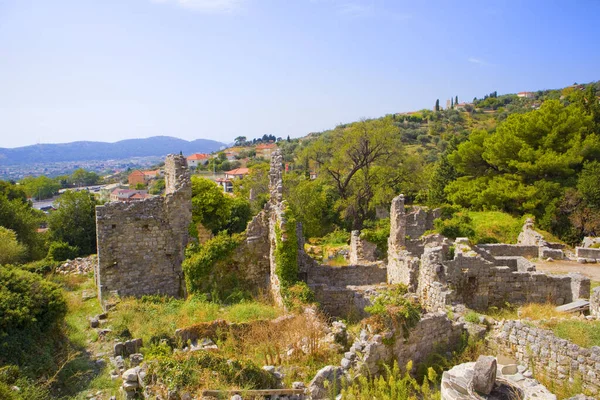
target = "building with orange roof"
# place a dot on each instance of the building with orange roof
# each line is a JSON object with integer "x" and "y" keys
{"x": 136, "y": 177}
{"x": 265, "y": 150}
{"x": 198, "y": 159}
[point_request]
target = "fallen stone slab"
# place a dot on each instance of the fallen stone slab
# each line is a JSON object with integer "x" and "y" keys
{"x": 575, "y": 306}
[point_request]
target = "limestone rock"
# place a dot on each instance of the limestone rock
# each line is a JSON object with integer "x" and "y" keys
{"x": 484, "y": 374}
{"x": 327, "y": 380}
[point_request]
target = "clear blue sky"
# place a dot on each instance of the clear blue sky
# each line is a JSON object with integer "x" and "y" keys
{"x": 114, "y": 69}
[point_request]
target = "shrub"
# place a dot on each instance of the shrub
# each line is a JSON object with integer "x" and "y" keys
{"x": 31, "y": 308}
{"x": 392, "y": 308}
{"x": 11, "y": 250}
{"x": 472, "y": 317}
{"x": 458, "y": 226}
{"x": 201, "y": 259}
{"x": 377, "y": 232}
{"x": 188, "y": 371}
{"x": 61, "y": 251}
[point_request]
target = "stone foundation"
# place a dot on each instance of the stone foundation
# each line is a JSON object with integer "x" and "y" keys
{"x": 557, "y": 359}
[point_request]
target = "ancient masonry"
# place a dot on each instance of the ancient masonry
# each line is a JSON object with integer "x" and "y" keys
{"x": 141, "y": 244}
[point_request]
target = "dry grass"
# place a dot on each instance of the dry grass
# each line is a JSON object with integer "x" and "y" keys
{"x": 538, "y": 312}
{"x": 295, "y": 344}
{"x": 161, "y": 317}
{"x": 532, "y": 311}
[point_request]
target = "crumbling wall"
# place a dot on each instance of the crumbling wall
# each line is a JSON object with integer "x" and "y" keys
{"x": 530, "y": 237}
{"x": 351, "y": 275}
{"x": 361, "y": 250}
{"x": 478, "y": 283}
{"x": 557, "y": 359}
{"x": 433, "y": 333}
{"x": 346, "y": 302}
{"x": 588, "y": 254}
{"x": 141, "y": 244}
{"x": 589, "y": 241}
{"x": 512, "y": 250}
{"x": 595, "y": 302}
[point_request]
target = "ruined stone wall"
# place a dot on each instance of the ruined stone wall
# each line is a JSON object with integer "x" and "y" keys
{"x": 141, "y": 244}
{"x": 591, "y": 254}
{"x": 351, "y": 275}
{"x": 557, "y": 359}
{"x": 419, "y": 220}
{"x": 433, "y": 333}
{"x": 589, "y": 241}
{"x": 595, "y": 302}
{"x": 361, "y": 250}
{"x": 345, "y": 302}
{"x": 478, "y": 283}
{"x": 513, "y": 250}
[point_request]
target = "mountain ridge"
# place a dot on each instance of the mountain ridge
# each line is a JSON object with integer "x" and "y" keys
{"x": 96, "y": 150}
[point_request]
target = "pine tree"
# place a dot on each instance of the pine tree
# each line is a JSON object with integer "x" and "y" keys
{"x": 437, "y": 105}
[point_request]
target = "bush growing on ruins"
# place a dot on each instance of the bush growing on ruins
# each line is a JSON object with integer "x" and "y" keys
{"x": 392, "y": 308}
{"x": 286, "y": 252}
{"x": 393, "y": 384}
{"x": 60, "y": 251}
{"x": 201, "y": 368}
{"x": 201, "y": 259}
{"x": 377, "y": 232}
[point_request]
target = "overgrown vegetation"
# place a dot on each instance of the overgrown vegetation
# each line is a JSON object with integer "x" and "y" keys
{"x": 201, "y": 266}
{"x": 392, "y": 308}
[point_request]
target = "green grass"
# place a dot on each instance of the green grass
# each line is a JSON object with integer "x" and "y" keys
{"x": 582, "y": 333}
{"x": 496, "y": 224}
{"x": 161, "y": 317}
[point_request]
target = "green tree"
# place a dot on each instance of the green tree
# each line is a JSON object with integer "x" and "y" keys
{"x": 443, "y": 173}
{"x": 240, "y": 140}
{"x": 456, "y": 100}
{"x": 437, "y": 105}
{"x": 24, "y": 220}
{"x": 74, "y": 221}
{"x": 11, "y": 251}
{"x": 588, "y": 183}
{"x": 312, "y": 202}
{"x": 353, "y": 158}
{"x": 210, "y": 206}
{"x": 40, "y": 187}
{"x": 254, "y": 186}
{"x": 81, "y": 177}
{"x": 157, "y": 186}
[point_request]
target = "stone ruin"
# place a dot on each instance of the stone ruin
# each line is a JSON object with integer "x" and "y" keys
{"x": 141, "y": 244}
{"x": 141, "y": 247}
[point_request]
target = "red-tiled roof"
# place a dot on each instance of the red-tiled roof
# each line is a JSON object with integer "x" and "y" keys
{"x": 266, "y": 146}
{"x": 199, "y": 156}
{"x": 136, "y": 172}
{"x": 238, "y": 171}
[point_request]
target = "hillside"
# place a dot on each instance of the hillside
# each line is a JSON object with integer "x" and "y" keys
{"x": 83, "y": 151}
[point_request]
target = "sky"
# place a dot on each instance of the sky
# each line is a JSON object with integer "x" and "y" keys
{"x": 108, "y": 70}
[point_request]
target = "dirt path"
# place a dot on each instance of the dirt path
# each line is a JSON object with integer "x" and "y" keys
{"x": 592, "y": 271}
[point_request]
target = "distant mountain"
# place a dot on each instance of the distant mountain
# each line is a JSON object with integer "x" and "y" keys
{"x": 86, "y": 151}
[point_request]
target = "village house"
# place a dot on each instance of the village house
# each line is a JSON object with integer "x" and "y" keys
{"x": 227, "y": 182}
{"x": 136, "y": 177}
{"x": 527, "y": 95}
{"x": 128, "y": 195}
{"x": 265, "y": 150}
{"x": 197, "y": 159}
